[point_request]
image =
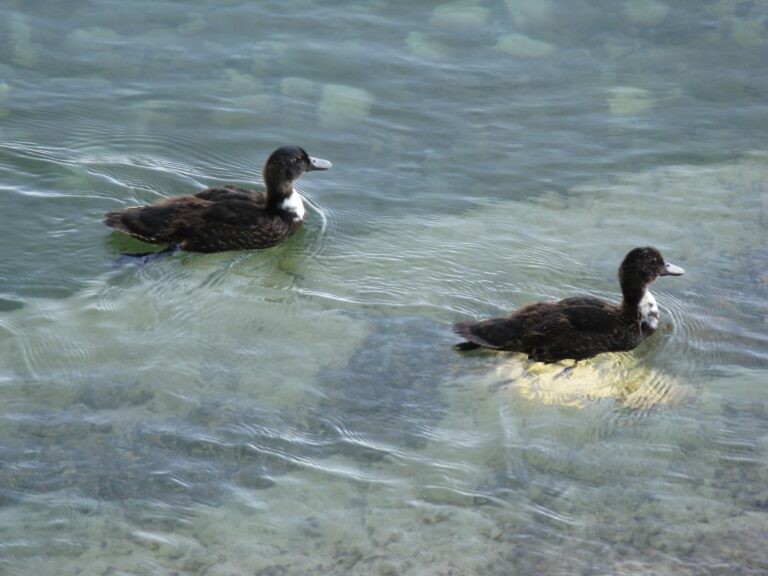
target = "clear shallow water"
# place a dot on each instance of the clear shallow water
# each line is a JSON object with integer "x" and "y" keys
{"x": 299, "y": 410}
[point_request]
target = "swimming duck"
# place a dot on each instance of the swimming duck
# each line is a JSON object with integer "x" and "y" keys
{"x": 228, "y": 217}
{"x": 579, "y": 328}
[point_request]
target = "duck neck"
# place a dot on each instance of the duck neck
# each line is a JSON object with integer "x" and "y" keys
{"x": 639, "y": 306}
{"x": 633, "y": 297}
{"x": 281, "y": 196}
{"x": 278, "y": 188}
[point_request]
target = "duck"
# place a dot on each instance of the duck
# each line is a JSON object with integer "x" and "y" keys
{"x": 228, "y": 217}
{"x": 581, "y": 327}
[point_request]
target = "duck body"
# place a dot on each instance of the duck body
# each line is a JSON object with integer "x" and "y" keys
{"x": 574, "y": 328}
{"x": 581, "y": 327}
{"x": 213, "y": 220}
{"x": 228, "y": 217}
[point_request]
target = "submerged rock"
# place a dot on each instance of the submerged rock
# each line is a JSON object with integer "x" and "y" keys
{"x": 24, "y": 52}
{"x": 152, "y": 114}
{"x": 242, "y": 84}
{"x": 749, "y": 33}
{"x": 645, "y": 12}
{"x": 95, "y": 38}
{"x": 4, "y": 91}
{"x": 522, "y": 46}
{"x": 528, "y": 14}
{"x": 195, "y": 25}
{"x": 424, "y": 45}
{"x": 342, "y": 105}
{"x": 460, "y": 17}
{"x": 629, "y": 100}
{"x": 608, "y": 376}
{"x": 299, "y": 88}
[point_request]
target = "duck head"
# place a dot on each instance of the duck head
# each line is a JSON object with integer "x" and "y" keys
{"x": 287, "y": 164}
{"x": 639, "y": 268}
{"x": 644, "y": 265}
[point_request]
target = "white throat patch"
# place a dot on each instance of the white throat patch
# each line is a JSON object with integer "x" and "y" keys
{"x": 649, "y": 311}
{"x": 295, "y": 205}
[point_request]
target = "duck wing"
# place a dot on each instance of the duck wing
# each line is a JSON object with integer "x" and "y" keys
{"x": 235, "y": 224}
{"x": 578, "y": 328}
{"x": 584, "y": 314}
{"x": 231, "y": 192}
{"x": 233, "y": 211}
{"x": 230, "y": 219}
{"x": 548, "y": 331}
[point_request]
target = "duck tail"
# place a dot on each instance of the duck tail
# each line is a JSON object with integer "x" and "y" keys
{"x": 153, "y": 224}
{"x": 115, "y": 219}
{"x": 466, "y": 346}
{"x": 465, "y": 330}
{"x": 496, "y": 333}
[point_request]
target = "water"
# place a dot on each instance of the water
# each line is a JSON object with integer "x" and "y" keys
{"x": 300, "y": 410}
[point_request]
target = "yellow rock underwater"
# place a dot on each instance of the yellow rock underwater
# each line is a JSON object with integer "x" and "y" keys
{"x": 609, "y": 376}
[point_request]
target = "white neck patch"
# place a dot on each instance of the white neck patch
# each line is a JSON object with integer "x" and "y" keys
{"x": 295, "y": 205}
{"x": 649, "y": 311}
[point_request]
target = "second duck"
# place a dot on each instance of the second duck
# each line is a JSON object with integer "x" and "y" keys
{"x": 228, "y": 217}
{"x": 579, "y": 328}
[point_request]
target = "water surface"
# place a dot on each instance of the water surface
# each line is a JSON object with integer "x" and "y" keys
{"x": 300, "y": 410}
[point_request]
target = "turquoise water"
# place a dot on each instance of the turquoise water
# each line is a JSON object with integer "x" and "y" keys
{"x": 300, "y": 410}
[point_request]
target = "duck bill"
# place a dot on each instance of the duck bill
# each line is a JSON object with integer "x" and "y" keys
{"x": 318, "y": 164}
{"x": 672, "y": 270}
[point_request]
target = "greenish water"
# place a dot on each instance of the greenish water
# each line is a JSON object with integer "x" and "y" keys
{"x": 300, "y": 410}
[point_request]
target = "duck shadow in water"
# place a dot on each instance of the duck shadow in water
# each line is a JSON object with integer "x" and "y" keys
{"x": 136, "y": 253}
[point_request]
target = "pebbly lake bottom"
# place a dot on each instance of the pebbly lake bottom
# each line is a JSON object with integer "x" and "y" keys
{"x": 301, "y": 411}
{"x": 500, "y": 484}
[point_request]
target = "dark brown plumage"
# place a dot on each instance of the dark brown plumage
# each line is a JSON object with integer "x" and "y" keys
{"x": 226, "y": 218}
{"x": 579, "y": 328}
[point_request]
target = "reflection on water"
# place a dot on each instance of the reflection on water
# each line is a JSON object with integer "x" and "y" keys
{"x": 300, "y": 410}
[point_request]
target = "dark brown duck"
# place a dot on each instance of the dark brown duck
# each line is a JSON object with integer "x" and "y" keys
{"x": 226, "y": 218}
{"x": 579, "y": 328}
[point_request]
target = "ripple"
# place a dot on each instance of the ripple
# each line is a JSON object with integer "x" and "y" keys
{"x": 349, "y": 439}
{"x": 324, "y": 226}
{"x": 655, "y": 389}
{"x": 108, "y": 154}
{"x": 97, "y": 142}
{"x": 35, "y": 342}
{"x": 439, "y": 274}
{"x": 728, "y": 333}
